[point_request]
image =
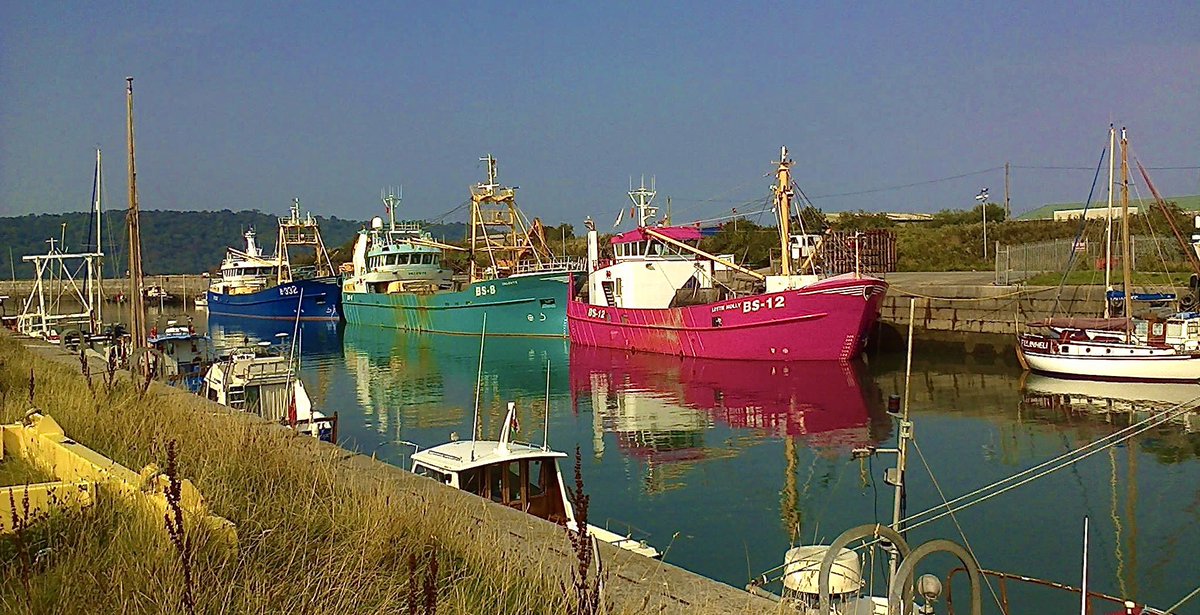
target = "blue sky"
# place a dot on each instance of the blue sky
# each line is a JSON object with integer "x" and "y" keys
{"x": 247, "y": 105}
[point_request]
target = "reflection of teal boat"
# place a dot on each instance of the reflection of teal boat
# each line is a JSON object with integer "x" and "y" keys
{"x": 431, "y": 377}
{"x": 398, "y": 280}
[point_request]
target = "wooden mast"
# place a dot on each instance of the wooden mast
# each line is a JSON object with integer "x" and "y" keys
{"x": 137, "y": 302}
{"x": 1125, "y": 264}
{"x": 1112, "y": 159}
{"x": 783, "y": 195}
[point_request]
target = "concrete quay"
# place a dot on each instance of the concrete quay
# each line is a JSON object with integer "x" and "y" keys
{"x": 179, "y": 286}
{"x": 951, "y": 304}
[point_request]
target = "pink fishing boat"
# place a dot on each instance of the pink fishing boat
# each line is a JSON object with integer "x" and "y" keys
{"x": 661, "y": 293}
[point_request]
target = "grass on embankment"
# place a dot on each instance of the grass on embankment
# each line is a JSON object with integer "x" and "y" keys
{"x": 310, "y": 540}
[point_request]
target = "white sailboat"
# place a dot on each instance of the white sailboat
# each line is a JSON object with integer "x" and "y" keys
{"x": 1123, "y": 348}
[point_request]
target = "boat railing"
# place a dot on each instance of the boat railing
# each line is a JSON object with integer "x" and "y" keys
{"x": 528, "y": 444}
{"x": 406, "y": 228}
{"x": 445, "y": 455}
{"x": 548, "y": 265}
{"x": 1002, "y": 589}
{"x": 318, "y": 422}
{"x": 629, "y": 529}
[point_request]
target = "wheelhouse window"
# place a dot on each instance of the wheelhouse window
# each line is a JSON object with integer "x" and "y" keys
{"x": 437, "y": 475}
{"x": 528, "y": 485}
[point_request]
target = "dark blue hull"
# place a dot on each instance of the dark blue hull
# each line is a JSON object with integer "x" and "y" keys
{"x": 318, "y": 299}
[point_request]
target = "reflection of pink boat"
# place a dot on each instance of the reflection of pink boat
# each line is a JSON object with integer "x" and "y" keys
{"x": 646, "y": 397}
{"x": 661, "y": 293}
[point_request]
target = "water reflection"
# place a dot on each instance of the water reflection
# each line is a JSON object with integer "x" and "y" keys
{"x": 734, "y": 458}
{"x": 316, "y": 342}
{"x": 427, "y": 380}
{"x": 1120, "y": 404}
{"x": 316, "y": 338}
{"x": 662, "y": 409}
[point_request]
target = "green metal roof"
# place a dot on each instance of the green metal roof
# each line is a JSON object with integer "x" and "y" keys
{"x": 1046, "y": 212}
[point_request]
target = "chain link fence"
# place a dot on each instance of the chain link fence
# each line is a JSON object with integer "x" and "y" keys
{"x": 1020, "y": 262}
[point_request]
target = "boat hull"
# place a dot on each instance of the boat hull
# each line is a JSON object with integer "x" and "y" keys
{"x": 317, "y": 299}
{"x": 826, "y": 321}
{"x": 1106, "y": 361}
{"x": 533, "y": 305}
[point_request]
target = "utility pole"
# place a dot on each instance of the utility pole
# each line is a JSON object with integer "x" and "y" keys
{"x": 982, "y": 197}
{"x": 1007, "y": 204}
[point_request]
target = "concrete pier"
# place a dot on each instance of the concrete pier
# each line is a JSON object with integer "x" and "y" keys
{"x": 180, "y": 286}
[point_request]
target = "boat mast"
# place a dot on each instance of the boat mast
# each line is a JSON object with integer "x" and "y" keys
{"x": 1112, "y": 160}
{"x": 783, "y": 196}
{"x": 1125, "y": 264}
{"x": 137, "y": 301}
{"x": 96, "y": 278}
{"x": 493, "y": 205}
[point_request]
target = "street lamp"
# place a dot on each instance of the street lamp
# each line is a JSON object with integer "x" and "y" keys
{"x": 982, "y": 197}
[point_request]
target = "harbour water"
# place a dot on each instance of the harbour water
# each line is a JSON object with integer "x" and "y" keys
{"x": 724, "y": 465}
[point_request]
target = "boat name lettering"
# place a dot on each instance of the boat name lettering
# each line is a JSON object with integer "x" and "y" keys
{"x": 769, "y": 303}
{"x": 597, "y": 313}
{"x": 288, "y": 290}
{"x": 482, "y": 291}
{"x": 1037, "y": 344}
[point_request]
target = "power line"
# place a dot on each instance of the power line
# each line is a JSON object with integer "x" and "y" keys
{"x": 1062, "y": 168}
{"x": 903, "y": 186}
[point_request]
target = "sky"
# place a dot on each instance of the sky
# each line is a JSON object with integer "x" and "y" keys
{"x": 247, "y": 105}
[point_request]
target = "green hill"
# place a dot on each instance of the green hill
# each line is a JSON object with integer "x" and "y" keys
{"x": 172, "y": 241}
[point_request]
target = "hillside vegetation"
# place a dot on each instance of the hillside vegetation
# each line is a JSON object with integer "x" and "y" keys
{"x": 172, "y": 241}
{"x": 195, "y": 241}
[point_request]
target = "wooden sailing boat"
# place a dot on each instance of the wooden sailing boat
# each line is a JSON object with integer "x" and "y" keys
{"x": 1123, "y": 348}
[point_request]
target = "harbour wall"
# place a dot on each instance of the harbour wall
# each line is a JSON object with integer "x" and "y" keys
{"x": 179, "y": 286}
{"x": 977, "y": 318}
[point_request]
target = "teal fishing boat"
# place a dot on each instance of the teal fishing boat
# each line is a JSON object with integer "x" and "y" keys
{"x": 399, "y": 278}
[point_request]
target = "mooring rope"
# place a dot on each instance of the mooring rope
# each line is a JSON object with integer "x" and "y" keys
{"x": 1066, "y": 459}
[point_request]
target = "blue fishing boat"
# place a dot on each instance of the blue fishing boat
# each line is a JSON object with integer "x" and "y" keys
{"x": 253, "y": 285}
{"x": 400, "y": 280}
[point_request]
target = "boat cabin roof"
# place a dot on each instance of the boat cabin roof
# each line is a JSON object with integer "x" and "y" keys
{"x": 456, "y": 456}
{"x": 678, "y": 233}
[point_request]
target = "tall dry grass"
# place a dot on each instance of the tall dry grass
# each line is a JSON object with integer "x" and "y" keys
{"x": 312, "y": 536}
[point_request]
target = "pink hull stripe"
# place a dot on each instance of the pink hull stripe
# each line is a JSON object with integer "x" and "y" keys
{"x": 826, "y": 321}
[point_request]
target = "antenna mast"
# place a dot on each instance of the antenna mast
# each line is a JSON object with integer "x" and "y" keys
{"x": 642, "y": 198}
{"x": 391, "y": 201}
